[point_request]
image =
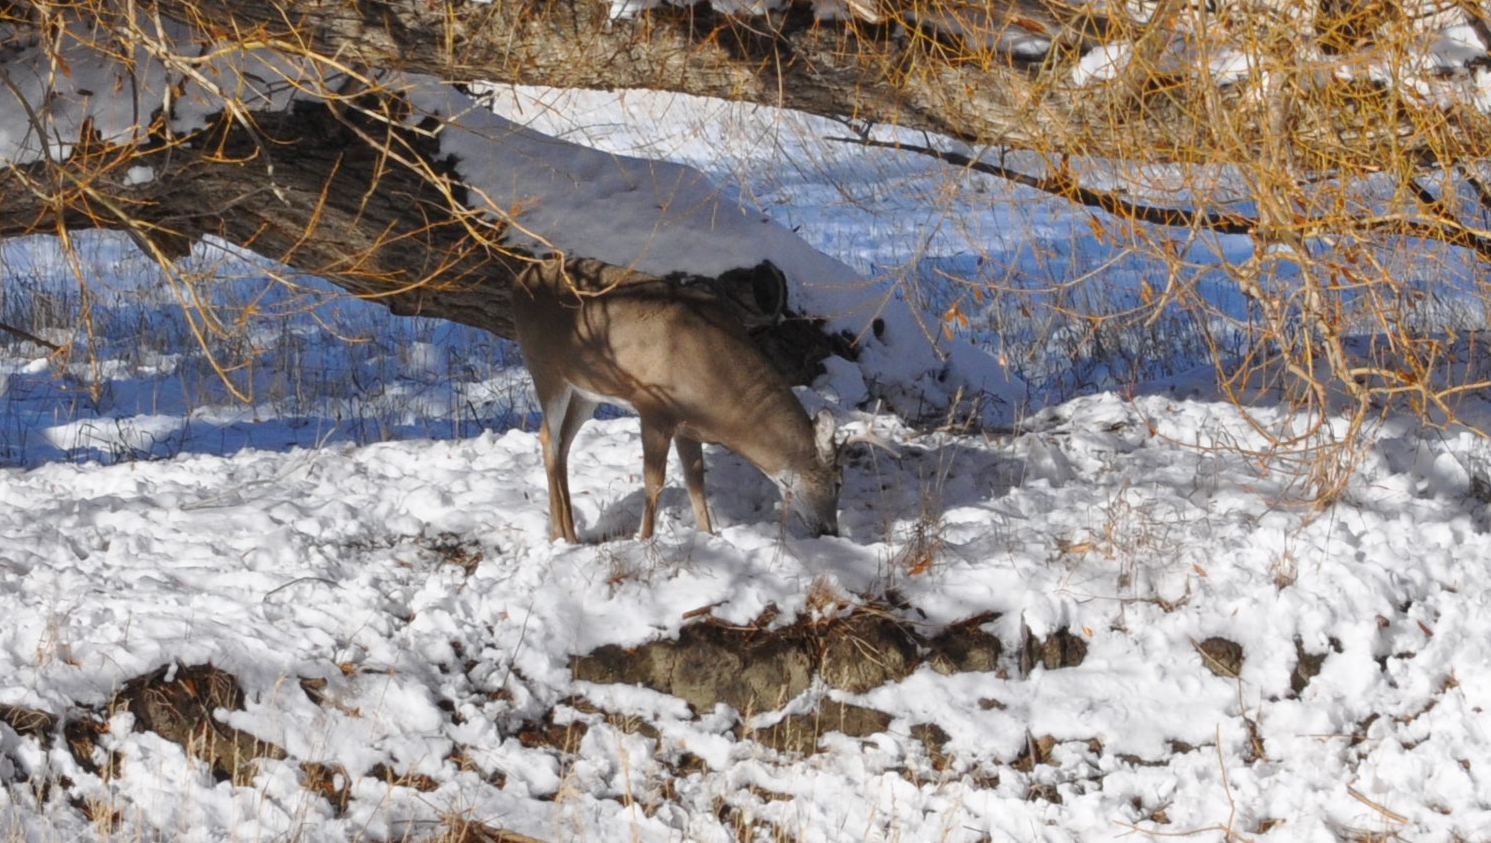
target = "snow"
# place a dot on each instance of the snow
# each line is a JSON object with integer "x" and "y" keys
{"x": 391, "y": 550}
{"x": 280, "y": 565}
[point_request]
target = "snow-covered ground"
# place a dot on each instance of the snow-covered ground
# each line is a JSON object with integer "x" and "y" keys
{"x": 1134, "y": 526}
{"x": 1187, "y": 646}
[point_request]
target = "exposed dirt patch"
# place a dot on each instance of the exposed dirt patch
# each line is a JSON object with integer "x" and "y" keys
{"x": 462, "y": 829}
{"x": 965, "y": 647}
{"x": 865, "y": 650}
{"x": 755, "y": 669}
{"x": 452, "y": 549}
{"x": 1063, "y": 648}
{"x": 935, "y": 739}
{"x": 1306, "y": 666}
{"x": 1037, "y": 751}
{"x": 1222, "y": 657}
{"x": 81, "y": 731}
{"x": 329, "y": 781}
{"x": 28, "y": 722}
{"x": 801, "y": 732}
{"x": 179, "y": 704}
{"x": 564, "y": 737}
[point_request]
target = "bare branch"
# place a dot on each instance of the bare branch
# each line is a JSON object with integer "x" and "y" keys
{"x": 29, "y": 337}
{"x": 1067, "y": 187}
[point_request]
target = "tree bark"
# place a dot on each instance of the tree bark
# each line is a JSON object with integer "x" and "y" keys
{"x": 302, "y": 190}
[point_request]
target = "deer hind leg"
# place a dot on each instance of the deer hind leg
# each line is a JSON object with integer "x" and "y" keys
{"x": 654, "y": 467}
{"x": 563, "y": 415}
{"x": 691, "y": 457}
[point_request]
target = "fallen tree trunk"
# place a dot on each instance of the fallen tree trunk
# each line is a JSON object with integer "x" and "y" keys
{"x": 306, "y": 188}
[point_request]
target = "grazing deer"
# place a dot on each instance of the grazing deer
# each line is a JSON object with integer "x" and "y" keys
{"x": 592, "y": 332}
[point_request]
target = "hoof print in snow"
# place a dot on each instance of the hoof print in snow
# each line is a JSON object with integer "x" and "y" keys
{"x": 1222, "y": 657}
{"x": 179, "y": 704}
{"x": 1061, "y": 649}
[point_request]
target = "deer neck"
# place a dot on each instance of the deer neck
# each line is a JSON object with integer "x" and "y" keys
{"x": 774, "y": 434}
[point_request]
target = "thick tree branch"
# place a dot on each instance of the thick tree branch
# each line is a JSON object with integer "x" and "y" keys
{"x": 789, "y": 59}
{"x": 1067, "y": 187}
{"x": 1439, "y": 222}
{"x": 895, "y": 72}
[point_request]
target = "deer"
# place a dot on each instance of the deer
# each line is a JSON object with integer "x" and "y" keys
{"x": 592, "y": 332}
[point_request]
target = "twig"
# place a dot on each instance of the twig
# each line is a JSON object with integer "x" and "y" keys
{"x": 29, "y": 337}
{"x": 1227, "y": 789}
{"x": 297, "y": 581}
{"x": 1379, "y": 808}
{"x": 702, "y": 610}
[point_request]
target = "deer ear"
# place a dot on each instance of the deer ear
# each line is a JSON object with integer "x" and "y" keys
{"x": 824, "y": 428}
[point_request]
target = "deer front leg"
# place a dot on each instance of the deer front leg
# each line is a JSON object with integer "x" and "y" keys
{"x": 691, "y": 457}
{"x": 654, "y": 466}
